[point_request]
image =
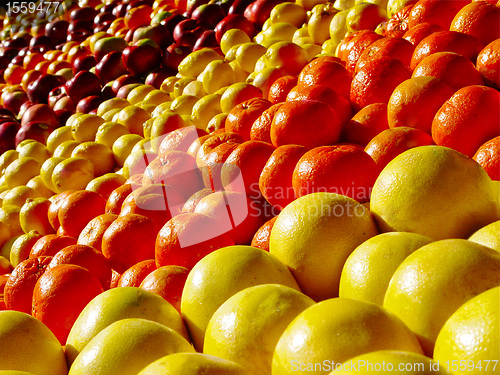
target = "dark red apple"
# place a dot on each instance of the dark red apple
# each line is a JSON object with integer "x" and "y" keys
{"x": 120, "y": 10}
{"x": 107, "y": 8}
{"x": 172, "y": 21}
{"x": 142, "y": 58}
{"x": 157, "y": 76}
{"x": 17, "y": 60}
{"x": 38, "y": 90}
{"x": 209, "y": 15}
{"x": 85, "y": 13}
{"x": 207, "y": 39}
{"x": 8, "y": 131}
{"x": 184, "y": 27}
{"x": 83, "y": 84}
{"x": 14, "y": 100}
{"x": 88, "y": 104}
{"x": 55, "y": 95}
{"x": 41, "y": 42}
{"x": 110, "y": 67}
{"x": 258, "y": 12}
{"x": 138, "y": 3}
{"x": 158, "y": 33}
{"x": 80, "y": 25}
{"x": 234, "y": 21}
{"x": 82, "y": 63}
{"x": 64, "y": 103}
{"x": 123, "y": 80}
{"x": 40, "y": 113}
{"x": 57, "y": 31}
{"x": 35, "y": 130}
{"x": 5, "y": 113}
{"x": 104, "y": 17}
{"x": 239, "y": 6}
{"x": 106, "y": 45}
{"x": 191, "y": 5}
{"x": 174, "y": 54}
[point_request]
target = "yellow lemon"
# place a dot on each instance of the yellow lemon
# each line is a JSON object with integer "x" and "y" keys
{"x": 105, "y": 184}
{"x": 65, "y": 149}
{"x": 216, "y": 122}
{"x": 168, "y": 84}
{"x": 238, "y": 93}
{"x": 99, "y": 154}
{"x": 217, "y": 74}
{"x": 158, "y": 111}
{"x": 58, "y": 136}
{"x": 181, "y": 84}
{"x": 357, "y": 16}
{"x": 289, "y": 12}
{"x": 7, "y": 158}
{"x": 20, "y": 249}
{"x": 156, "y": 97}
{"x": 126, "y": 346}
{"x": 138, "y": 94}
{"x": 110, "y": 115}
{"x": 435, "y": 191}
{"x": 338, "y": 27}
{"x": 315, "y": 234}
{"x": 368, "y": 270}
{"x": 35, "y": 150}
{"x": 47, "y": 169}
{"x": 336, "y": 330}
{"x": 123, "y": 145}
{"x": 193, "y": 364}
{"x": 14, "y": 372}
{"x": 117, "y": 304}
{"x": 10, "y": 216}
{"x": 113, "y": 103}
{"x": 109, "y": 132}
{"x": 194, "y": 63}
{"x": 319, "y": 22}
{"x": 28, "y": 345}
{"x": 394, "y": 6}
{"x": 194, "y": 88}
{"x": 137, "y": 161}
{"x": 282, "y": 31}
{"x": 488, "y": 235}
{"x": 247, "y": 327}
{"x": 20, "y": 171}
{"x": 162, "y": 125}
{"x": 239, "y": 74}
{"x": 220, "y": 275}
{"x": 33, "y": 216}
{"x": 204, "y": 109}
{"x": 84, "y": 127}
{"x": 468, "y": 342}
{"x": 247, "y": 55}
{"x": 232, "y": 38}
{"x": 18, "y": 195}
{"x": 72, "y": 174}
{"x": 435, "y": 280}
{"x": 388, "y": 361}
{"x": 41, "y": 189}
{"x": 132, "y": 117}
{"x": 183, "y": 104}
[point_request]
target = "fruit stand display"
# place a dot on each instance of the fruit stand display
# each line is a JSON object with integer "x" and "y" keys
{"x": 250, "y": 187}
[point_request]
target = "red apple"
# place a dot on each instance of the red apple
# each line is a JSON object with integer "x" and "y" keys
{"x": 258, "y": 12}
{"x": 85, "y": 13}
{"x": 187, "y": 32}
{"x": 55, "y": 95}
{"x": 174, "y": 54}
{"x": 234, "y": 21}
{"x": 37, "y": 131}
{"x": 83, "y": 84}
{"x": 110, "y": 67}
{"x": 83, "y": 63}
{"x": 106, "y": 45}
{"x": 172, "y": 21}
{"x": 8, "y": 131}
{"x": 39, "y": 89}
{"x": 141, "y": 58}
{"x": 207, "y": 39}
{"x": 14, "y": 100}
{"x": 79, "y": 36}
{"x": 239, "y": 6}
{"x": 88, "y": 104}
{"x": 208, "y": 15}
{"x": 64, "y": 103}
{"x": 41, "y": 43}
{"x": 120, "y": 10}
{"x": 103, "y": 18}
{"x": 158, "y": 33}
{"x": 57, "y": 31}
{"x": 157, "y": 76}
{"x": 124, "y": 80}
{"x": 40, "y": 113}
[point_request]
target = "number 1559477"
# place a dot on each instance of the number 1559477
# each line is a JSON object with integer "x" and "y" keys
{"x": 24, "y": 7}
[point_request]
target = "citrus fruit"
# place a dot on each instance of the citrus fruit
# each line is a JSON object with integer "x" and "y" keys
{"x": 488, "y": 64}
{"x": 358, "y": 327}
{"x": 315, "y": 234}
{"x": 378, "y": 257}
{"x": 435, "y": 280}
{"x": 246, "y": 328}
{"x": 468, "y": 336}
{"x": 222, "y": 274}
{"x": 417, "y": 192}
{"x": 488, "y": 236}
{"x": 136, "y": 343}
{"x": 72, "y": 174}
{"x": 32, "y": 347}
{"x": 480, "y": 19}
{"x": 366, "y": 124}
{"x": 117, "y": 304}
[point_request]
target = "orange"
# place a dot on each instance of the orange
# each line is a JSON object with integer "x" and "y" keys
{"x": 326, "y": 71}
{"x": 242, "y": 117}
{"x": 420, "y": 31}
{"x": 78, "y": 209}
{"x": 280, "y": 88}
{"x": 193, "y": 200}
{"x": 451, "y": 41}
{"x": 439, "y": 12}
{"x": 53, "y": 212}
{"x": 105, "y": 184}
{"x": 391, "y": 142}
{"x": 310, "y": 123}
{"x": 345, "y": 46}
{"x": 129, "y": 240}
{"x": 61, "y": 294}
{"x": 397, "y": 25}
{"x": 327, "y": 95}
{"x": 488, "y": 64}
{"x": 167, "y": 282}
{"x": 488, "y": 156}
{"x": 261, "y": 128}
{"x": 396, "y": 47}
{"x": 116, "y": 198}
{"x": 180, "y": 139}
{"x": 468, "y": 119}
{"x": 454, "y": 69}
{"x": 375, "y": 82}
{"x": 342, "y": 169}
{"x": 414, "y": 102}
{"x": 135, "y": 274}
{"x": 187, "y": 238}
{"x": 50, "y": 244}
{"x": 92, "y": 234}
{"x": 177, "y": 169}
{"x": 480, "y": 19}
{"x": 87, "y": 257}
{"x": 242, "y": 168}
{"x": 235, "y": 214}
{"x": 157, "y": 202}
{"x": 366, "y": 124}
{"x": 18, "y": 292}
{"x": 115, "y": 277}
{"x": 275, "y": 181}
{"x": 359, "y": 43}
{"x": 263, "y": 234}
